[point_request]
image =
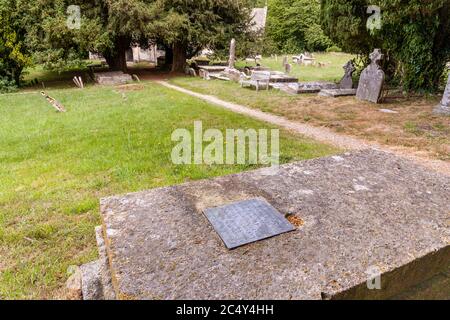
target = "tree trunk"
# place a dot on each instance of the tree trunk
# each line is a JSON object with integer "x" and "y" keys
{"x": 117, "y": 60}
{"x": 179, "y": 57}
{"x": 168, "y": 58}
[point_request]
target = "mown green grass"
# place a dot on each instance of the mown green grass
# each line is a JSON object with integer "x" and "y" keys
{"x": 55, "y": 167}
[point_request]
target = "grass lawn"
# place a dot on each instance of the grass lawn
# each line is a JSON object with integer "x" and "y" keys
{"x": 414, "y": 127}
{"x": 55, "y": 167}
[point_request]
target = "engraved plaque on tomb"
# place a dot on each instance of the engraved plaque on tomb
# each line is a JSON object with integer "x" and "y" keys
{"x": 247, "y": 221}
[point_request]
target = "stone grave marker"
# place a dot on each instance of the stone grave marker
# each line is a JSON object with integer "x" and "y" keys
{"x": 347, "y": 80}
{"x": 112, "y": 78}
{"x": 159, "y": 244}
{"x": 285, "y": 61}
{"x": 247, "y": 221}
{"x": 372, "y": 79}
{"x": 287, "y": 68}
{"x": 232, "y": 59}
{"x": 444, "y": 107}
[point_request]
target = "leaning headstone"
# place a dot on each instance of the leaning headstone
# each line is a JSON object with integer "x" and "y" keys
{"x": 444, "y": 107}
{"x": 232, "y": 59}
{"x": 347, "y": 80}
{"x": 372, "y": 79}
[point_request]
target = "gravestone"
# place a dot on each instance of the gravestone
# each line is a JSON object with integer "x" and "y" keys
{"x": 444, "y": 107}
{"x": 335, "y": 93}
{"x": 285, "y": 61}
{"x": 372, "y": 79}
{"x": 232, "y": 59}
{"x": 160, "y": 245}
{"x": 304, "y": 87}
{"x": 347, "y": 80}
{"x": 112, "y": 78}
{"x": 287, "y": 68}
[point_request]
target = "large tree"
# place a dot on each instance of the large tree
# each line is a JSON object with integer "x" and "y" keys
{"x": 294, "y": 26}
{"x": 414, "y": 36}
{"x": 187, "y": 26}
{"x": 14, "y": 54}
{"x": 110, "y": 27}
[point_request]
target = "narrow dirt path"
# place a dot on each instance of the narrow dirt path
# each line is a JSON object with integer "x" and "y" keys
{"x": 321, "y": 134}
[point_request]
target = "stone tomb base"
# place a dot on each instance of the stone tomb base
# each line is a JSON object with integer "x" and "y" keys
{"x": 442, "y": 110}
{"x": 335, "y": 93}
{"x": 303, "y": 87}
{"x": 355, "y": 215}
{"x": 112, "y": 78}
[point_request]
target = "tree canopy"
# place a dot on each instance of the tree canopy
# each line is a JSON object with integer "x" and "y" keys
{"x": 294, "y": 26}
{"x": 110, "y": 27}
{"x": 413, "y": 35}
{"x": 14, "y": 54}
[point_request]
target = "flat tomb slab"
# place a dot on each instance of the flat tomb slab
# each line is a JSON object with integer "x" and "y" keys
{"x": 360, "y": 210}
{"x": 304, "y": 87}
{"x": 112, "y": 78}
{"x": 335, "y": 93}
{"x": 247, "y": 221}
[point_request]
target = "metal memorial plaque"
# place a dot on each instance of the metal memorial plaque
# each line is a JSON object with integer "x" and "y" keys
{"x": 248, "y": 221}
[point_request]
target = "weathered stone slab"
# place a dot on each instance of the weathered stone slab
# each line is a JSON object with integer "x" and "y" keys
{"x": 280, "y": 77}
{"x": 335, "y": 93}
{"x": 213, "y": 69}
{"x": 304, "y": 87}
{"x": 247, "y": 221}
{"x": 444, "y": 107}
{"x": 112, "y": 78}
{"x": 372, "y": 79}
{"x": 360, "y": 210}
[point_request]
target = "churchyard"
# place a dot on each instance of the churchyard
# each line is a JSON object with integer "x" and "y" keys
{"x": 119, "y": 142}
{"x": 412, "y": 125}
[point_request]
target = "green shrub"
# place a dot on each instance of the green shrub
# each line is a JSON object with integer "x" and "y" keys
{"x": 7, "y": 86}
{"x": 334, "y": 48}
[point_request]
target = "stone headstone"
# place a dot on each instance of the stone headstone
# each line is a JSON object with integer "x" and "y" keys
{"x": 287, "y": 68}
{"x": 444, "y": 107}
{"x": 347, "y": 80}
{"x": 372, "y": 79}
{"x": 285, "y": 61}
{"x": 232, "y": 59}
{"x": 247, "y": 221}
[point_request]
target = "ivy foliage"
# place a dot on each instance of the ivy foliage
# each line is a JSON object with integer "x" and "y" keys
{"x": 413, "y": 35}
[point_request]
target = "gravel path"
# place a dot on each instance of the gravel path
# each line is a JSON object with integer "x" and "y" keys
{"x": 321, "y": 134}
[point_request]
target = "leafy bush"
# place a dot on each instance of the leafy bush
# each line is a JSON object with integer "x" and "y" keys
{"x": 294, "y": 26}
{"x": 7, "y": 85}
{"x": 334, "y": 48}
